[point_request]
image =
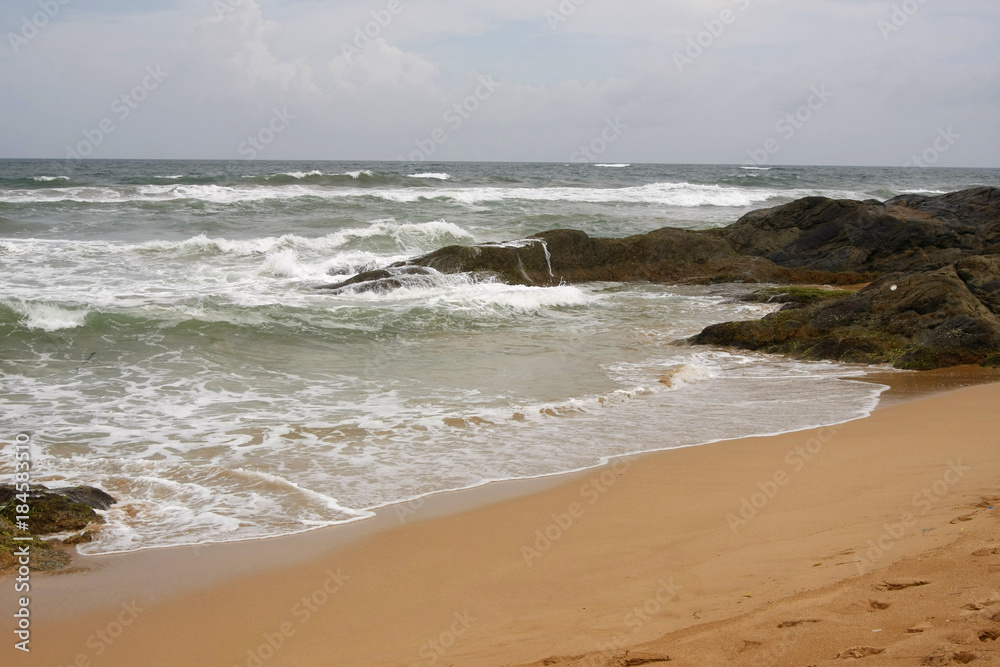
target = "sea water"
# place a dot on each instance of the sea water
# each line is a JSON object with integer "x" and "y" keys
{"x": 161, "y": 335}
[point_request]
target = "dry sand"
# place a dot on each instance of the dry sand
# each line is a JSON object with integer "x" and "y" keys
{"x": 799, "y": 549}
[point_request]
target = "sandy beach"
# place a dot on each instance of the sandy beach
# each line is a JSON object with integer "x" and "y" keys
{"x": 787, "y": 550}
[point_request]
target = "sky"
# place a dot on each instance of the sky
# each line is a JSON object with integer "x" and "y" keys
{"x": 823, "y": 82}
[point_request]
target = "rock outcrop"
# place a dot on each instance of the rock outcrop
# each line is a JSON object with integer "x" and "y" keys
{"x": 934, "y": 297}
{"x": 904, "y": 233}
{"x": 50, "y": 511}
{"x": 569, "y": 256}
{"x": 923, "y": 319}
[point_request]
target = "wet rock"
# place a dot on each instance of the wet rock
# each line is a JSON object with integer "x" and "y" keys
{"x": 382, "y": 280}
{"x": 57, "y": 510}
{"x": 663, "y": 256}
{"x": 919, "y": 320}
{"x": 49, "y": 511}
{"x": 902, "y": 234}
{"x": 933, "y": 301}
{"x": 88, "y": 495}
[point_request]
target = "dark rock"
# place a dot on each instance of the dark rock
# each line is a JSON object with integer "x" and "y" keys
{"x": 665, "y": 256}
{"x": 941, "y": 254}
{"x": 843, "y": 235}
{"x": 813, "y": 240}
{"x": 977, "y": 206}
{"x": 382, "y": 280}
{"x": 49, "y": 511}
{"x": 57, "y": 510}
{"x": 920, "y": 320}
{"x": 80, "y": 538}
{"x": 42, "y": 555}
{"x": 89, "y": 496}
{"x": 793, "y": 296}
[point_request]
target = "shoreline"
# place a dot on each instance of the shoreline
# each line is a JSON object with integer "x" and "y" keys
{"x": 155, "y": 577}
{"x": 901, "y": 386}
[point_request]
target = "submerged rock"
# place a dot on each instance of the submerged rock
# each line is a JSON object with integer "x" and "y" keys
{"x": 382, "y": 280}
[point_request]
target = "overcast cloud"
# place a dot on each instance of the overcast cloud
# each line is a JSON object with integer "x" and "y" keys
{"x": 539, "y": 79}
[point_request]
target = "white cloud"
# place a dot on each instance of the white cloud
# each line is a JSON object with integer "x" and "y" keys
{"x": 229, "y": 72}
{"x": 381, "y": 65}
{"x": 237, "y": 42}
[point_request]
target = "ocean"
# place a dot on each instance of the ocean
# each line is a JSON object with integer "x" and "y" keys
{"x": 161, "y": 335}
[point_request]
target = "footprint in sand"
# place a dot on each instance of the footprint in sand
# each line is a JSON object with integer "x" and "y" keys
{"x": 876, "y": 605}
{"x": 900, "y": 584}
{"x": 919, "y": 627}
{"x": 858, "y": 652}
{"x": 966, "y": 517}
{"x": 635, "y": 658}
{"x": 792, "y": 624}
{"x": 989, "y": 636}
{"x": 946, "y": 657}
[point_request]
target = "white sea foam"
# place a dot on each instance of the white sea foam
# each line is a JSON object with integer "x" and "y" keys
{"x": 665, "y": 194}
{"x": 431, "y": 175}
{"x": 613, "y": 166}
{"x": 405, "y": 236}
{"x": 48, "y": 316}
{"x": 228, "y": 400}
{"x": 47, "y": 179}
{"x": 684, "y": 195}
{"x": 301, "y": 174}
{"x": 461, "y": 293}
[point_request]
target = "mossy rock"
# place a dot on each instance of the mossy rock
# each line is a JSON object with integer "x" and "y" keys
{"x": 794, "y": 294}
{"x": 43, "y": 556}
{"x": 849, "y": 345}
{"x": 52, "y": 513}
